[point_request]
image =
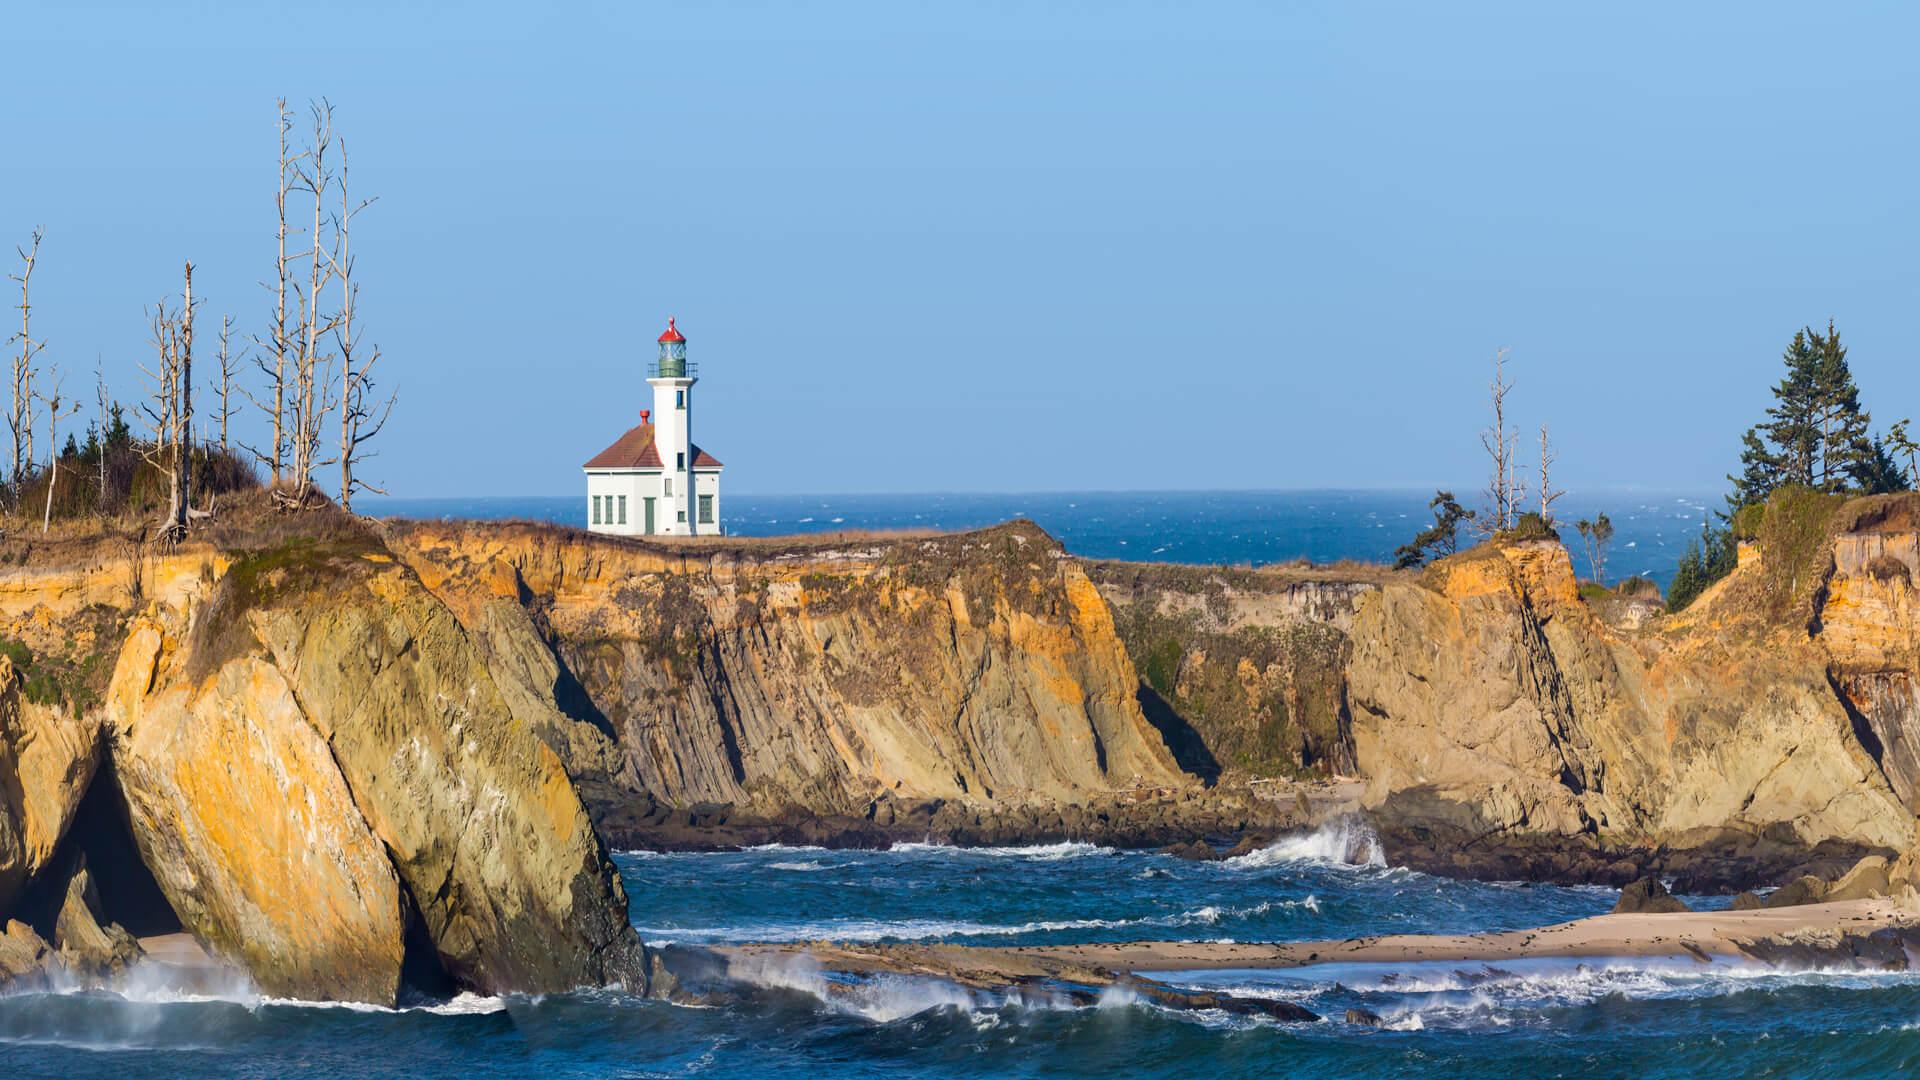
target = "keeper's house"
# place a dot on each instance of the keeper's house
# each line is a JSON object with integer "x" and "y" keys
{"x": 653, "y": 481}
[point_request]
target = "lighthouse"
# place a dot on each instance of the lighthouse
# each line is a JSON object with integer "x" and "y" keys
{"x": 653, "y": 480}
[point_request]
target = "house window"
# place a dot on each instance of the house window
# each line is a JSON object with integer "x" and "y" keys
{"x": 668, "y": 492}
{"x": 683, "y": 517}
{"x": 623, "y": 509}
{"x": 679, "y": 399}
{"x": 680, "y": 459}
{"x": 596, "y": 509}
{"x": 706, "y": 509}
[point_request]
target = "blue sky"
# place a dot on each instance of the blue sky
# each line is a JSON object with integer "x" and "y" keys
{"x": 950, "y": 246}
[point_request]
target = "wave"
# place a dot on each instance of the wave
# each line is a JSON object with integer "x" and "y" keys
{"x": 1346, "y": 841}
{"x": 1430, "y": 995}
{"x": 870, "y": 930}
{"x": 1066, "y": 849}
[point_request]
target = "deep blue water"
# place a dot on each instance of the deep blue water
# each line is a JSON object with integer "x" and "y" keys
{"x": 1647, "y": 1018}
{"x": 1208, "y": 527}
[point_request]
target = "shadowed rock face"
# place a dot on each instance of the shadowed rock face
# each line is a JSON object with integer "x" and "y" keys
{"x": 47, "y": 758}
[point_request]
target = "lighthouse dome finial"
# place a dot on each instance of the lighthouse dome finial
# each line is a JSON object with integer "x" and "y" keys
{"x": 672, "y": 335}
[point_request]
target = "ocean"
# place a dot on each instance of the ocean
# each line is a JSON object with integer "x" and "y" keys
{"x": 1647, "y": 1018}
{"x": 1201, "y": 527}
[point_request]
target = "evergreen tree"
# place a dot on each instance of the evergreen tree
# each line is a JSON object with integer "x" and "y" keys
{"x": 1882, "y": 472}
{"x": 1846, "y": 452}
{"x": 1815, "y": 434}
{"x": 1442, "y": 538}
{"x": 119, "y": 433}
{"x": 1903, "y": 448}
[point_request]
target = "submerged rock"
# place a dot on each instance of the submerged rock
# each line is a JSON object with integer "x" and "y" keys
{"x": 1364, "y": 1018}
{"x": 1650, "y": 896}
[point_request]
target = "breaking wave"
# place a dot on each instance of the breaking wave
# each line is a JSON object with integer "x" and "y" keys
{"x": 1346, "y": 841}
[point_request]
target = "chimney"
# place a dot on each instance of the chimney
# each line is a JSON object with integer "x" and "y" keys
{"x": 644, "y": 413}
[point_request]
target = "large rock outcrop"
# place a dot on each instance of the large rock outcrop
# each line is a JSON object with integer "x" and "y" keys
{"x": 1491, "y": 707}
{"x": 818, "y": 677}
{"x": 249, "y": 828}
{"x": 475, "y": 811}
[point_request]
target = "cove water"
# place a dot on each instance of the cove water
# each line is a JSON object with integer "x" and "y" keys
{"x": 1206, "y": 527}
{"x": 1647, "y": 1018}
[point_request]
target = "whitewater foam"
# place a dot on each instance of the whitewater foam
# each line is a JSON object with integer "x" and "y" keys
{"x": 869, "y": 930}
{"x": 1066, "y": 849}
{"x": 1346, "y": 841}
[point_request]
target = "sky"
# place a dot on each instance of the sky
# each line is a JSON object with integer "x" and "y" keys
{"x": 1009, "y": 246}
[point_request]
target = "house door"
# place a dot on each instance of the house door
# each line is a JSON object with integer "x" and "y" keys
{"x": 649, "y": 508}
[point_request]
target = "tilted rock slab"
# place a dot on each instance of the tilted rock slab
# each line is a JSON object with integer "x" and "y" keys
{"x": 248, "y": 827}
{"x": 476, "y": 813}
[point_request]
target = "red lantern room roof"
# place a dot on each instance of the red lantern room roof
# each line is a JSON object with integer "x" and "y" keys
{"x": 672, "y": 335}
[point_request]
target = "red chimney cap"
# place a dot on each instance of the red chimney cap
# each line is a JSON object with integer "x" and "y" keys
{"x": 643, "y": 415}
{"x": 672, "y": 335}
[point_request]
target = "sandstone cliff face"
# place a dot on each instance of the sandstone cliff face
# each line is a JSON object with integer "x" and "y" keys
{"x": 47, "y": 757}
{"x": 316, "y": 771}
{"x": 819, "y": 677}
{"x": 1243, "y": 670}
{"x": 249, "y": 828}
{"x": 1490, "y": 705}
{"x": 477, "y": 814}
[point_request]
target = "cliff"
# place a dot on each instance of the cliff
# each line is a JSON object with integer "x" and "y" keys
{"x": 362, "y": 760}
{"x": 1505, "y": 729}
{"x": 967, "y": 686}
{"x": 297, "y": 756}
{"x": 1243, "y": 670}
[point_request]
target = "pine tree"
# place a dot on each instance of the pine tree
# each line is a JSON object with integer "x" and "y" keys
{"x": 1815, "y": 434}
{"x": 1845, "y": 450}
{"x": 1442, "y": 538}
{"x": 1793, "y": 426}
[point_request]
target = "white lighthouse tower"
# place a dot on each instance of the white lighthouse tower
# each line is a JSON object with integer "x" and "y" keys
{"x": 672, "y": 382}
{"x": 653, "y": 481}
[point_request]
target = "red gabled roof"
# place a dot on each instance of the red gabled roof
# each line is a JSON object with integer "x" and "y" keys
{"x": 636, "y": 450}
{"x": 672, "y": 334}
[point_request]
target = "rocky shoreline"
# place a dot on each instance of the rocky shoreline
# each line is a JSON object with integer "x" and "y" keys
{"x": 354, "y": 759}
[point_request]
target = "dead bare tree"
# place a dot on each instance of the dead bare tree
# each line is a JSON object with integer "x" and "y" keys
{"x": 1548, "y": 493}
{"x": 274, "y": 351}
{"x": 106, "y": 430}
{"x": 313, "y": 394}
{"x": 169, "y": 412}
{"x": 20, "y": 409}
{"x": 226, "y": 380}
{"x": 1503, "y": 494}
{"x": 362, "y": 412}
{"x": 55, "y": 404}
